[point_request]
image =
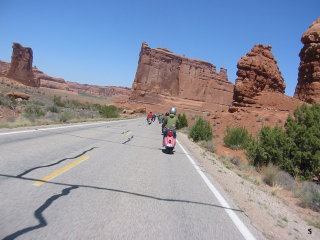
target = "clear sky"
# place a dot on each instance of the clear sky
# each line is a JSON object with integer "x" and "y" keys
{"x": 98, "y": 42}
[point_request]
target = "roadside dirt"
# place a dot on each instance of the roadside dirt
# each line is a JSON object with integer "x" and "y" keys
{"x": 273, "y": 212}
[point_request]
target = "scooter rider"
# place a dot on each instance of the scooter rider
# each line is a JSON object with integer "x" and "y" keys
{"x": 171, "y": 122}
{"x": 150, "y": 115}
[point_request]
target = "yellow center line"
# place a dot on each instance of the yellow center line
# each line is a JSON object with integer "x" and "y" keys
{"x": 61, "y": 170}
{"x": 127, "y": 133}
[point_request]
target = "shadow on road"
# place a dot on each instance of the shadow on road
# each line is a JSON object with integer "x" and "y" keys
{"x": 42, "y": 221}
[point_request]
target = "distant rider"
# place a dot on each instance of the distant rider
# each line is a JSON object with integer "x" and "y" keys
{"x": 171, "y": 122}
{"x": 150, "y": 115}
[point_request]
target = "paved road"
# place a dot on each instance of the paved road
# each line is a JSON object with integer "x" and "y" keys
{"x": 108, "y": 180}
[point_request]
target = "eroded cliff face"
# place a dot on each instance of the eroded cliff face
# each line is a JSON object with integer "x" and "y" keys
{"x": 21, "y": 66}
{"x": 4, "y": 67}
{"x": 163, "y": 77}
{"x": 308, "y": 87}
{"x": 119, "y": 93}
{"x": 50, "y": 82}
{"x": 258, "y": 73}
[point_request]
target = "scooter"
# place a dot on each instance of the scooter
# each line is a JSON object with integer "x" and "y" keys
{"x": 149, "y": 120}
{"x": 169, "y": 142}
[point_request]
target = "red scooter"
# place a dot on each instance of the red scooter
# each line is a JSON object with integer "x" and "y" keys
{"x": 169, "y": 142}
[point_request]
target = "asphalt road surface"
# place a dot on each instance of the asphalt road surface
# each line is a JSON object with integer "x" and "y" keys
{"x": 108, "y": 180}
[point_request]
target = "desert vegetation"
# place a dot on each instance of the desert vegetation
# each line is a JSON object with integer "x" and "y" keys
{"x": 287, "y": 157}
{"x": 52, "y": 110}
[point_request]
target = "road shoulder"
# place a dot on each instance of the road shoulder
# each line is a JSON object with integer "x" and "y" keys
{"x": 267, "y": 214}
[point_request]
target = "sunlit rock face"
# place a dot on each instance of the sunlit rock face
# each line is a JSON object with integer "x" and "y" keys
{"x": 21, "y": 66}
{"x": 257, "y": 72}
{"x": 164, "y": 77}
{"x": 308, "y": 87}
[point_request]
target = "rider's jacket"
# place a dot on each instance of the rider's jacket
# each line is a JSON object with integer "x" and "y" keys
{"x": 149, "y": 115}
{"x": 171, "y": 121}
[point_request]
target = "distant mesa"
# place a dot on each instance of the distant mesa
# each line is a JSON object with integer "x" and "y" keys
{"x": 20, "y": 69}
{"x": 308, "y": 87}
{"x": 164, "y": 78}
{"x": 21, "y": 66}
{"x": 257, "y": 72}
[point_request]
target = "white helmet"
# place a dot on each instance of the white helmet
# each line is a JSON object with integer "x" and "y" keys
{"x": 173, "y": 110}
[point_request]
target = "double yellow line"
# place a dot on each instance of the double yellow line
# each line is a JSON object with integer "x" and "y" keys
{"x": 61, "y": 170}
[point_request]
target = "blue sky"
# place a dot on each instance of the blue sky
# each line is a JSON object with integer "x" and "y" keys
{"x": 98, "y": 42}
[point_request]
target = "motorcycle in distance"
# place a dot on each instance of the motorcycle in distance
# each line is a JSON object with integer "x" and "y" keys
{"x": 149, "y": 120}
{"x": 169, "y": 142}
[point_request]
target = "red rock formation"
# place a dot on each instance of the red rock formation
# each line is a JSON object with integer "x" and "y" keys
{"x": 100, "y": 91}
{"x": 308, "y": 87}
{"x": 4, "y": 67}
{"x": 163, "y": 77}
{"x": 21, "y": 66}
{"x": 257, "y": 72}
{"x": 18, "y": 95}
{"x": 50, "y": 82}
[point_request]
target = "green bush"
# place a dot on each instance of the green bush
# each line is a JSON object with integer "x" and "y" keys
{"x": 65, "y": 117}
{"x": 304, "y": 130}
{"x": 295, "y": 149}
{"x": 183, "y": 122}
{"x": 201, "y": 130}
{"x": 32, "y": 112}
{"x": 109, "y": 111}
{"x": 8, "y": 102}
{"x": 237, "y": 138}
{"x": 58, "y": 102}
{"x": 53, "y": 109}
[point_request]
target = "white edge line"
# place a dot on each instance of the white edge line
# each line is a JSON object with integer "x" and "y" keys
{"x": 53, "y": 128}
{"x": 239, "y": 224}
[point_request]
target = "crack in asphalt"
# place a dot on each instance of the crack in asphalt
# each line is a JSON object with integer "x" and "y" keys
{"x": 38, "y": 214}
{"x": 52, "y": 164}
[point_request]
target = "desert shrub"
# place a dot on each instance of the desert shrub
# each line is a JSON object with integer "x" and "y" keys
{"x": 295, "y": 149}
{"x": 32, "y": 112}
{"x": 201, "y": 130}
{"x": 309, "y": 195}
{"x": 51, "y": 116}
{"x": 37, "y": 102}
{"x": 65, "y": 117}
{"x": 285, "y": 180}
{"x": 58, "y": 101}
{"x": 8, "y": 102}
{"x": 237, "y": 138}
{"x": 271, "y": 147}
{"x": 235, "y": 160}
{"x": 208, "y": 145}
{"x": 270, "y": 174}
{"x": 304, "y": 130}
{"x": 109, "y": 111}
{"x": 183, "y": 122}
{"x": 53, "y": 109}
